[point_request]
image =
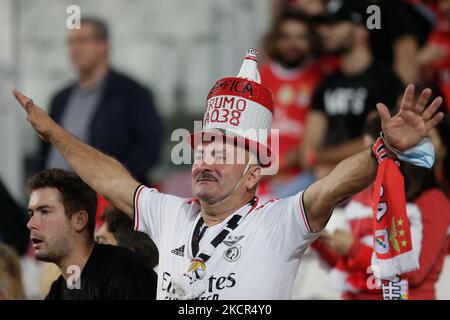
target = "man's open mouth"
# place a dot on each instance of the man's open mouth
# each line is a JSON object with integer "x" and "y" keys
{"x": 36, "y": 241}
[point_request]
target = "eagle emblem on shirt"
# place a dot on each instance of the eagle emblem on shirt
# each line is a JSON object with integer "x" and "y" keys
{"x": 232, "y": 240}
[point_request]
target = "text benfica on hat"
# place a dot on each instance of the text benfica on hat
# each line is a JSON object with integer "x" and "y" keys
{"x": 239, "y": 109}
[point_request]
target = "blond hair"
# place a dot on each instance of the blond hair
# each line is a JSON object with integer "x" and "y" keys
{"x": 11, "y": 287}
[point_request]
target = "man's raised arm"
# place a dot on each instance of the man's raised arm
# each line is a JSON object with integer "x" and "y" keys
{"x": 102, "y": 173}
{"x": 401, "y": 132}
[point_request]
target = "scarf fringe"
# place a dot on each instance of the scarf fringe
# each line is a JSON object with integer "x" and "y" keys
{"x": 390, "y": 268}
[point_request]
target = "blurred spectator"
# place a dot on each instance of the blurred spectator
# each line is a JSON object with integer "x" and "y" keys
{"x": 349, "y": 252}
{"x": 13, "y": 229}
{"x": 405, "y": 25}
{"x": 309, "y": 7}
{"x": 62, "y": 211}
{"x": 443, "y": 154}
{"x": 434, "y": 57}
{"x": 292, "y": 75}
{"x": 104, "y": 108}
{"x": 345, "y": 98}
{"x": 443, "y": 159}
{"x": 117, "y": 230}
{"x": 11, "y": 287}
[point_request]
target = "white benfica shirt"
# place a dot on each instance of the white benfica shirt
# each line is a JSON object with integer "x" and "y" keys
{"x": 257, "y": 260}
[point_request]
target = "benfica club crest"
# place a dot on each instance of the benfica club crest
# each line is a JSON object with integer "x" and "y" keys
{"x": 232, "y": 253}
{"x": 381, "y": 241}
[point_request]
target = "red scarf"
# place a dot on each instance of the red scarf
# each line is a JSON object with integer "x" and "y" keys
{"x": 393, "y": 254}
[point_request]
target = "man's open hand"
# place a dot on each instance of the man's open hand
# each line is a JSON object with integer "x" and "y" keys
{"x": 40, "y": 121}
{"x": 413, "y": 121}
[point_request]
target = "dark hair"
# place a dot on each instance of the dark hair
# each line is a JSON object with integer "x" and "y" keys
{"x": 443, "y": 129}
{"x": 75, "y": 194}
{"x": 417, "y": 180}
{"x": 121, "y": 226}
{"x": 100, "y": 27}
{"x": 372, "y": 125}
{"x": 273, "y": 35}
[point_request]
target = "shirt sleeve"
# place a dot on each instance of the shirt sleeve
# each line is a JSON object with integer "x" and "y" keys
{"x": 428, "y": 233}
{"x": 151, "y": 209}
{"x": 360, "y": 256}
{"x": 288, "y": 227}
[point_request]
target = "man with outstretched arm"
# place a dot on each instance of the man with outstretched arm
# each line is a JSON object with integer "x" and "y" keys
{"x": 223, "y": 244}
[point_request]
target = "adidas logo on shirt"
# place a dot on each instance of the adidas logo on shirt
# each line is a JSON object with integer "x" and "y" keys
{"x": 179, "y": 251}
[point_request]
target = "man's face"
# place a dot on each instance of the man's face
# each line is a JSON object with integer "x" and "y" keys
{"x": 293, "y": 43}
{"x": 50, "y": 230}
{"x": 85, "y": 49}
{"x": 104, "y": 236}
{"x": 336, "y": 37}
{"x": 212, "y": 177}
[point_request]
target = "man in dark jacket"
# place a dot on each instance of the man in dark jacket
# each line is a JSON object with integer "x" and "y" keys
{"x": 13, "y": 231}
{"x": 104, "y": 108}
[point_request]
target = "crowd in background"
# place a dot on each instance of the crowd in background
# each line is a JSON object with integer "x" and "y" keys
{"x": 326, "y": 69}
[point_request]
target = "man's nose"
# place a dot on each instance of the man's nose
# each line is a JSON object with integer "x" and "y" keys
{"x": 199, "y": 167}
{"x": 31, "y": 225}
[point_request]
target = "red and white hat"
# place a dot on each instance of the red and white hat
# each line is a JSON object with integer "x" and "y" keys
{"x": 240, "y": 108}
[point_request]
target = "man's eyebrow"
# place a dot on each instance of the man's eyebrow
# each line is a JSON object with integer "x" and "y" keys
{"x": 40, "y": 208}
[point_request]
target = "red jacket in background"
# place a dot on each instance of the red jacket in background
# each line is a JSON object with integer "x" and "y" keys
{"x": 429, "y": 217}
{"x": 292, "y": 91}
{"x": 440, "y": 37}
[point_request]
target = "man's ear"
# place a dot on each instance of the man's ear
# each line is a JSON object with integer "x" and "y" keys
{"x": 79, "y": 220}
{"x": 254, "y": 175}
